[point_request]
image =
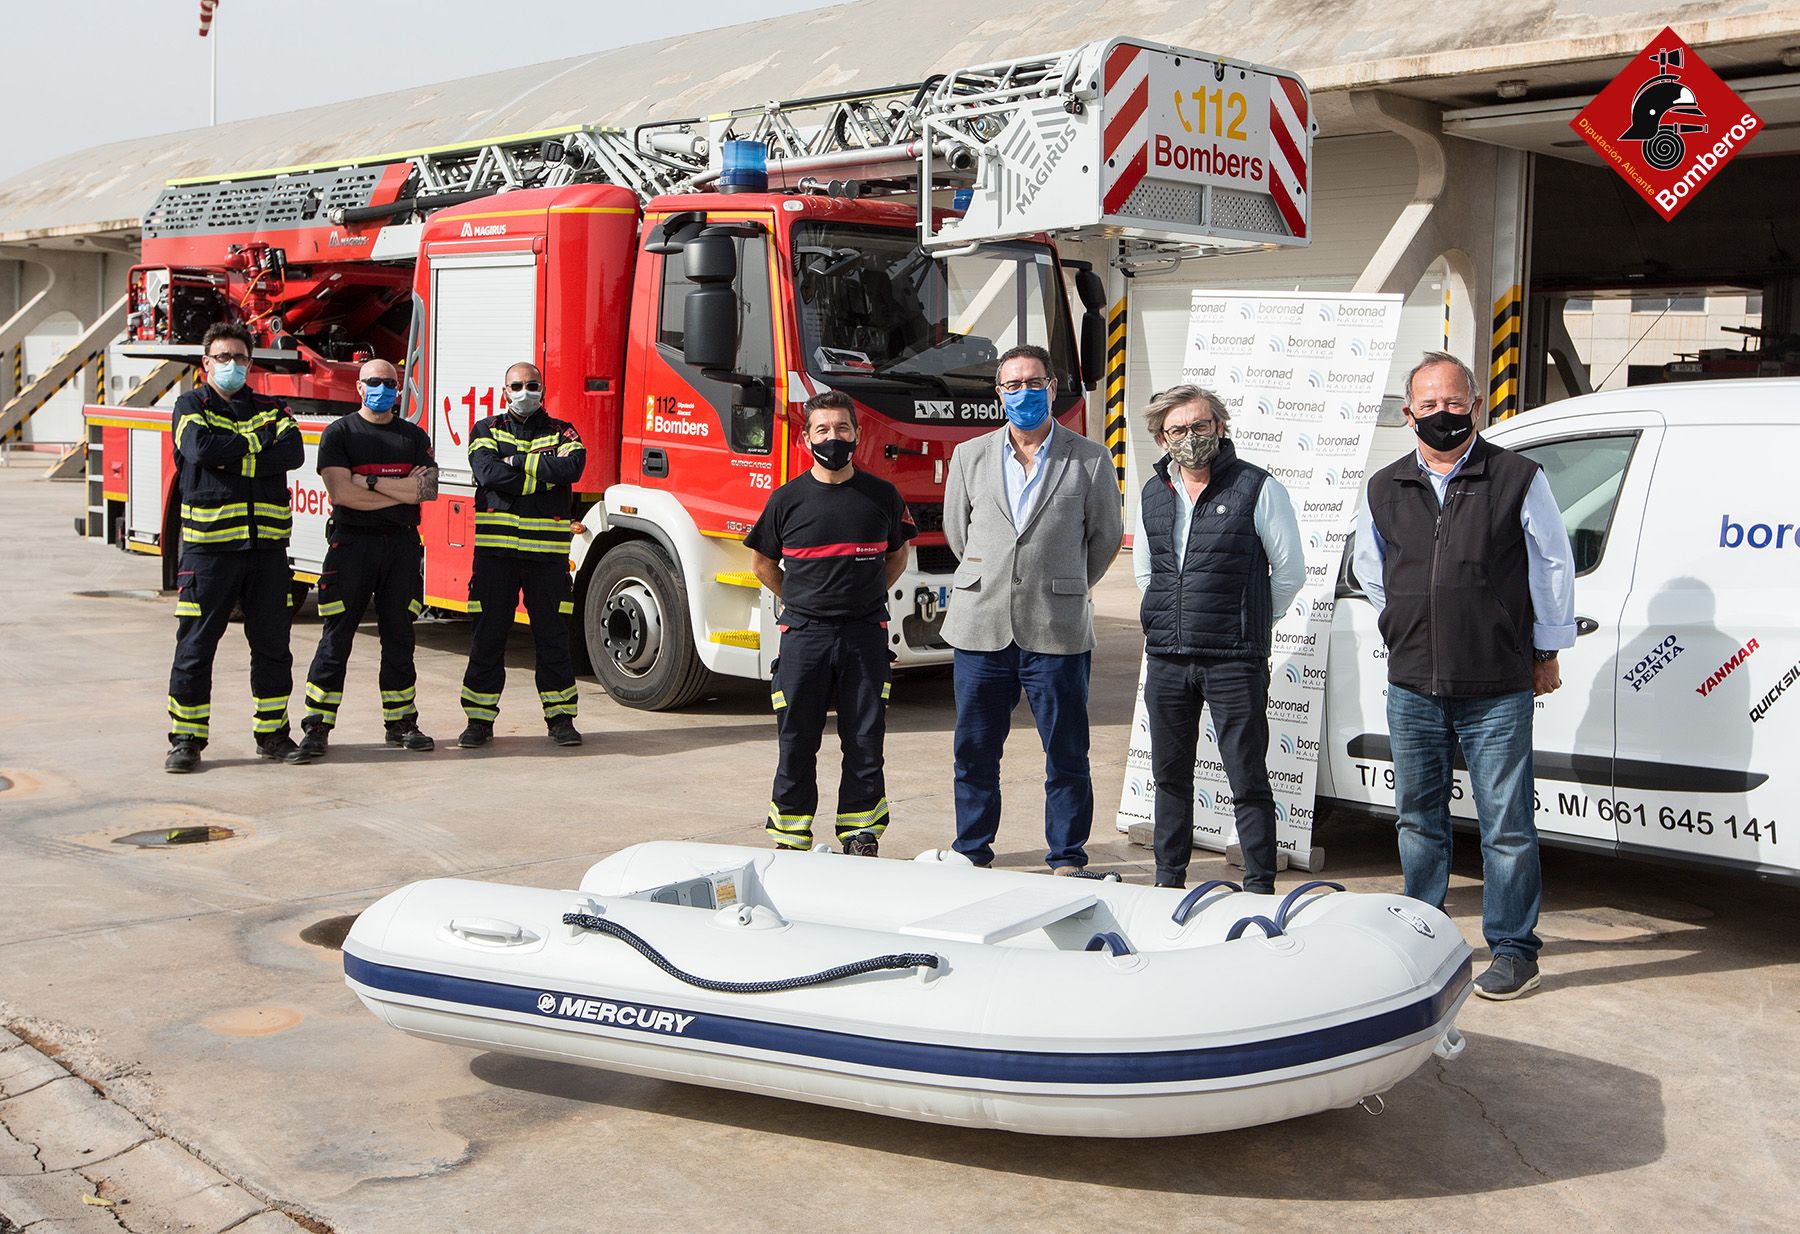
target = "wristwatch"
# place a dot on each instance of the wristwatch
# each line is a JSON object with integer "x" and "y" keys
{"x": 373, "y": 480}
{"x": 1541, "y": 656}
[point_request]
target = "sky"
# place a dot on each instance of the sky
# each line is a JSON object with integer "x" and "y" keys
{"x": 108, "y": 70}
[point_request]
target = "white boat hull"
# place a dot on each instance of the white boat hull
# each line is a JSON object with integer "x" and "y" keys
{"x": 1188, "y": 1034}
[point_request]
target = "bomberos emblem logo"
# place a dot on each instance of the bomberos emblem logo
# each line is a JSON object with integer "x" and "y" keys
{"x": 1667, "y": 124}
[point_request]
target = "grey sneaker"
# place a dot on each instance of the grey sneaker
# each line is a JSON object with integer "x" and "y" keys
{"x": 1508, "y": 977}
{"x": 1084, "y": 872}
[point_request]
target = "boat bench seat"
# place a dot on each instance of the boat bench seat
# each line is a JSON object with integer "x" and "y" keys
{"x": 1006, "y": 915}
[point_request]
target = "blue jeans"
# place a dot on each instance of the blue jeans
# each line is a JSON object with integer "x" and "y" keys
{"x": 1495, "y": 734}
{"x": 988, "y": 684}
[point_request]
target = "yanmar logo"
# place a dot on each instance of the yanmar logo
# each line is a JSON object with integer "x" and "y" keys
{"x": 625, "y": 1015}
{"x": 1718, "y": 675}
{"x": 472, "y": 230}
{"x": 1667, "y": 124}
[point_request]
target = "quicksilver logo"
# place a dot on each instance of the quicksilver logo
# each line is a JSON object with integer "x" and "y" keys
{"x": 1412, "y": 919}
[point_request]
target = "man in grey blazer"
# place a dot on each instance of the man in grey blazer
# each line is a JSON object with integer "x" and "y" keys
{"x": 1032, "y": 513}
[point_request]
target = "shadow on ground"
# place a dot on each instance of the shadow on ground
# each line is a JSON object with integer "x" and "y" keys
{"x": 1504, "y": 1115}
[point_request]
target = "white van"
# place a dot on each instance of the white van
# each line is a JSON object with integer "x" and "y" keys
{"x": 1676, "y": 733}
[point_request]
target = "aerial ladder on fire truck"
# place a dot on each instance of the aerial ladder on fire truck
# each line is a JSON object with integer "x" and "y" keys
{"x": 1147, "y": 155}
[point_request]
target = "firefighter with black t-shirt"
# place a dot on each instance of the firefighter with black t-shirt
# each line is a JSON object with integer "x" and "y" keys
{"x": 526, "y": 463}
{"x": 829, "y": 544}
{"x": 233, "y": 451}
{"x": 377, "y": 471}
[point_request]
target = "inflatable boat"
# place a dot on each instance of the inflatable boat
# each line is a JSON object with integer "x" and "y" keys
{"x": 930, "y": 989}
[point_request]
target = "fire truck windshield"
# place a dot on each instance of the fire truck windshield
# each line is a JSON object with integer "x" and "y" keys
{"x": 876, "y": 310}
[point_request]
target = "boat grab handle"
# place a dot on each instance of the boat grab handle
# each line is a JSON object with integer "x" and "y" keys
{"x": 910, "y": 959}
{"x": 1288, "y": 905}
{"x": 1192, "y": 899}
{"x": 491, "y": 930}
{"x": 1113, "y": 942}
{"x": 1269, "y": 928}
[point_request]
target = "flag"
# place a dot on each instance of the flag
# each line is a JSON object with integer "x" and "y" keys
{"x": 206, "y": 15}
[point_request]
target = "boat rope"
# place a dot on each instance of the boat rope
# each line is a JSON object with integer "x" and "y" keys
{"x": 909, "y": 959}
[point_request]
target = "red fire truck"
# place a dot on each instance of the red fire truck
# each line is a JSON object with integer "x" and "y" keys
{"x": 683, "y": 305}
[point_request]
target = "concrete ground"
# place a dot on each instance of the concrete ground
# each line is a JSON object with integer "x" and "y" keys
{"x": 180, "y": 1050}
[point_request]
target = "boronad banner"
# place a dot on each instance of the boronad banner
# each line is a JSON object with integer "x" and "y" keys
{"x": 1302, "y": 374}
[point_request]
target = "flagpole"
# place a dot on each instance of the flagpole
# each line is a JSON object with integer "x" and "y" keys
{"x": 212, "y": 97}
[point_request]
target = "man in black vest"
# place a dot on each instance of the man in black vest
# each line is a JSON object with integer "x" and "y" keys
{"x": 1462, "y": 550}
{"x": 1218, "y": 557}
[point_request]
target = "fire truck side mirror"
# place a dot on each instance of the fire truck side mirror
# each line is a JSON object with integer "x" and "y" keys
{"x": 710, "y": 315}
{"x": 1091, "y": 288}
{"x": 1093, "y": 348}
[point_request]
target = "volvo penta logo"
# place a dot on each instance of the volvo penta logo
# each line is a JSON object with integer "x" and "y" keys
{"x": 1412, "y": 919}
{"x": 546, "y": 1003}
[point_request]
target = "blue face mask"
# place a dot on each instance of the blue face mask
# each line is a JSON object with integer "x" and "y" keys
{"x": 1026, "y": 408}
{"x": 230, "y": 377}
{"x": 380, "y": 399}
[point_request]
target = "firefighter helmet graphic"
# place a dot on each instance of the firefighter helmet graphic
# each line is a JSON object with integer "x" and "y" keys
{"x": 1661, "y": 113}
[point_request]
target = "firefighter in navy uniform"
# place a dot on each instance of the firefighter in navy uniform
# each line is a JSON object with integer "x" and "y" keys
{"x": 233, "y": 451}
{"x": 377, "y": 470}
{"x": 525, "y": 464}
{"x": 829, "y": 544}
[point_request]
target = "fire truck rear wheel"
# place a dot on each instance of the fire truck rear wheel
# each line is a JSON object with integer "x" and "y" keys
{"x": 638, "y": 637}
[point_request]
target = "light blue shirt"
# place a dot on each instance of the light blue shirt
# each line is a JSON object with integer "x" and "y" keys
{"x": 1276, "y": 526}
{"x": 1022, "y": 490}
{"x": 1550, "y": 564}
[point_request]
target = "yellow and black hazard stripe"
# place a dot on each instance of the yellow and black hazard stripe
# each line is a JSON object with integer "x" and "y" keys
{"x": 40, "y": 397}
{"x": 1503, "y": 371}
{"x": 1115, "y": 387}
{"x": 1446, "y": 315}
{"x": 100, "y": 376}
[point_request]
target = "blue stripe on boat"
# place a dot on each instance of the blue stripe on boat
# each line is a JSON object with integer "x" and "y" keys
{"x": 927, "y": 1059}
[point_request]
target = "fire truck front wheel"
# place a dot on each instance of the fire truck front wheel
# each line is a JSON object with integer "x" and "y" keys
{"x": 639, "y": 641}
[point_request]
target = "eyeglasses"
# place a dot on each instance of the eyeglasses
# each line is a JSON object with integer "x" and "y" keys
{"x": 533, "y": 386}
{"x": 1179, "y": 432}
{"x": 381, "y": 383}
{"x": 227, "y": 357}
{"x": 1013, "y": 387}
{"x": 1456, "y": 407}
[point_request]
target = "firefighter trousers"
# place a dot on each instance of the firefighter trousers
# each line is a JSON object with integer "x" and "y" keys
{"x": 822, "y": 667}
{"x": 495, "y": 587}
{"x": 211, "y": 587}
{"x": 360, "y": 567}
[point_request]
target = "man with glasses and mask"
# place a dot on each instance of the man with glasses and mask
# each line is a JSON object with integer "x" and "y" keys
{"x": 233, "y": 450}
{"x": 829, "y": 544}
{"x": 526, "y": 464}
{"x": 1032, "y": 513}
{"x": 1217, "y": 553}
{"x": 1462, "y": 550}
{"x": 377, "y": 471}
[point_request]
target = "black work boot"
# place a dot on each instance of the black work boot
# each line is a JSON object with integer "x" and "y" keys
{"x": 184, "y": 756}
{"x": 406, "y": 736}
{"x": 281, "y": 748}
{"x": 563, "y": 732}
{"x": 478, "y": 734}
{"x": 313, "y": 742}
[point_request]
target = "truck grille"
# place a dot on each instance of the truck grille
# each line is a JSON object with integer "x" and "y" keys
{"x": 927, "y": 515}
{"x": 936, "y": 559}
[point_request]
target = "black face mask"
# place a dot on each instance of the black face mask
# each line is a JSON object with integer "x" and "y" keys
{"x": 1444, "y": 430}
{"x": 833, "y": 453}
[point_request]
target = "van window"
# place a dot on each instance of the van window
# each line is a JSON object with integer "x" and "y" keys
{"x": 1585, "y": 474}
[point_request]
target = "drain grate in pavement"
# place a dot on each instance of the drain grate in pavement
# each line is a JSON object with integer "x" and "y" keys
{"x": 170, "y": 836}
{"x": 329, "y": 933}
